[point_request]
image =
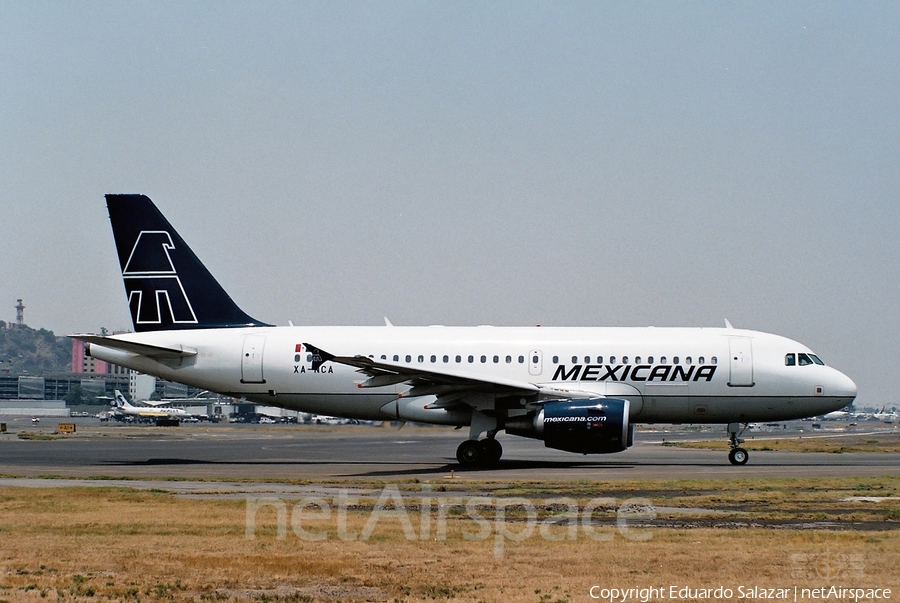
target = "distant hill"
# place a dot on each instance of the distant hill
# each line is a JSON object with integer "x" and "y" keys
{"x": 26, "y": 350}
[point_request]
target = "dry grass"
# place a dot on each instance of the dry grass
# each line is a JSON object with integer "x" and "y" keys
{"x": 81, "y": 544}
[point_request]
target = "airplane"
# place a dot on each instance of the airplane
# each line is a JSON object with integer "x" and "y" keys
{"x": 836, "y": 415}
{"x": 123, "y": 407}
{"x": 169, "y": 401}
{"x": 579, "y": 389}
{"x": 887, "y": 417}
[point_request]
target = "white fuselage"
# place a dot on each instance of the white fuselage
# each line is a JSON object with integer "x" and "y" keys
{"x": 698, "y": 375}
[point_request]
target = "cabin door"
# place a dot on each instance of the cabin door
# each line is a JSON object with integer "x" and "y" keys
{"x": 741, "y": 361}
{"x": 252, "y": 359}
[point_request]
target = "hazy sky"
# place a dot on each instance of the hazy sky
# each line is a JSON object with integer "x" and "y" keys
{"x": 555, "y": 163}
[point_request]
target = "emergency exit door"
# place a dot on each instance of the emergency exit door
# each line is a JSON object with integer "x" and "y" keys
{"x": 535, "y": 362}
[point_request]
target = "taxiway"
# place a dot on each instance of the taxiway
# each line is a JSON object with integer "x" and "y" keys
{"x": 224, "y": 452}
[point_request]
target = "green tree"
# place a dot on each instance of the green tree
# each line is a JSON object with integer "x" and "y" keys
{"x": 74, "y": 396}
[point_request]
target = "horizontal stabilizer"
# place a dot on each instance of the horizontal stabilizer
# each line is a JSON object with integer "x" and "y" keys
{"x": 142, "y": 349}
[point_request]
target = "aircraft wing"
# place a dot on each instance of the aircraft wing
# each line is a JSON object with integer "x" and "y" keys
{"x": 155, "y": 403}
{"x": 450, "y": 387}
{"x": 143, "y": 349}
{"x": 168, "y": 402}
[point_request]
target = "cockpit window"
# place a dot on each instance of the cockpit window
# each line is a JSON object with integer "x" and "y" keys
{"x": 803, "y": 359}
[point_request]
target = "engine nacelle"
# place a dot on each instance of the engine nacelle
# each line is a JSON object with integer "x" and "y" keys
{"x": 588, "y": 426}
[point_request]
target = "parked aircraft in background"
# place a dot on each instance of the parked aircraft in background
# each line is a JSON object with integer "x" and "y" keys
{"x": 122, "y": 406}
{"x": 836, "y": 415}
{"x": 176, "y": 402}
{"x": 887, "y": 417}
{"x": 577, "y": 389}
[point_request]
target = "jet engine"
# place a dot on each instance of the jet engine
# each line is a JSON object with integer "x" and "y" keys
{"x": 588, "y": 426}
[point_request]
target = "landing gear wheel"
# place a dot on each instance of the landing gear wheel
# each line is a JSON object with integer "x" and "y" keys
{"x": 492, "y": 451}
{"x": 738, "y": 456}
{"x": 470, "y": 453}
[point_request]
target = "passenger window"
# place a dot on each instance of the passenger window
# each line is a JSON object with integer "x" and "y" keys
{"x": 483, "y": 359}
{"x": 688, "y": 360}
{"x": 624, "y": 359}
{"x": 714, "y": 360}
{"x": 421, "y": 358}
{"x": 458, "y": 359}
{"x": 662, "y": 359}
{"x": 396, "y": 358}
{"x": 574, "y": 359}
{"x": 446, "y": 359}
{"x": 471, "y": 359}
{"x": 675, "y": 360}
{"x": 587, "y": 359}
{"x": 508, "y": 359}
{"x": 790, "y": 360}
{"x": 556, "y": 360}
{"x": 637, "y": 359}
{"x": 649, "y": 359}
{"x": 433, "y": 358}
{"x": 804, "y": 359}
{"x": 612, "y": 359}
{"x": 408, "y": 358}
{"x": 599, "y": 359}
{"x": 384, "y": 357}
{"x": 701, "y": 360}
{"x": 534, "y": 359}
{"x": 522, "y": 359}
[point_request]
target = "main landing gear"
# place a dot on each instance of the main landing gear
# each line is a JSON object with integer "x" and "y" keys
{"x": 479, "y": 453}
{"x": 475, "y": 453}
{"x": 737, "y": 456}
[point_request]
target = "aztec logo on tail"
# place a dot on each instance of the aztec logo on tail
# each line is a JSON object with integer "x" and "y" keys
{"x": 168, "y": 288}
{"x": 155, "y": 293}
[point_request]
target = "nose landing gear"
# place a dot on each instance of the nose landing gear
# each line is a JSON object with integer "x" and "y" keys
{"x": 737, "y": 455}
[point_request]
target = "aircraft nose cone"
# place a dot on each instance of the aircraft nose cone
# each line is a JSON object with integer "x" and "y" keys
{"x": 844, "y": 386}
